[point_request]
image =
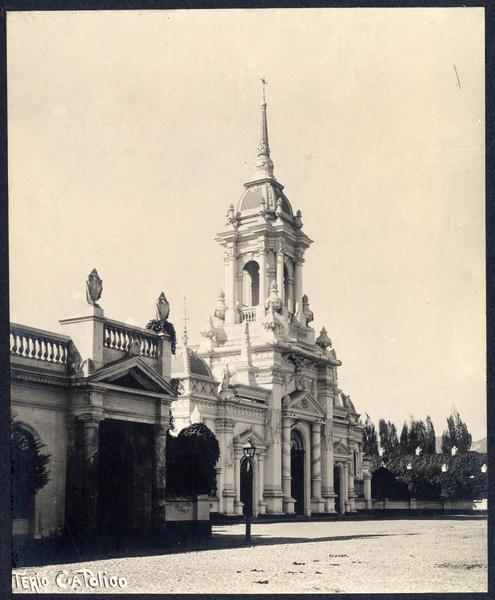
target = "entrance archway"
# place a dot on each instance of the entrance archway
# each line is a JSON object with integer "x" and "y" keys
{"x": 336, "y": 487}
{"x": 125, "y": 475}
{"x": 247, "y": 486}
{"x": 25, "y": 465}
{"x": 297, "y": 470}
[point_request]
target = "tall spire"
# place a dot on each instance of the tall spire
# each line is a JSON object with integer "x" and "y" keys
{"x": 185, "y": 318}
{"x": 264, "y": 164}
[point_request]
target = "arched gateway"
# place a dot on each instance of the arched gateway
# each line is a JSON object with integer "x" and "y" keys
{"x": 297, "y": 470}
{"x": 247, "y": 486}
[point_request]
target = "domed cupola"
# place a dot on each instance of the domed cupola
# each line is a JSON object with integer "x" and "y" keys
{"x": 263, "y": 194}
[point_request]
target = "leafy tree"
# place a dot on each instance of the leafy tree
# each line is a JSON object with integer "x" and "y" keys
{"x": 29, "y": 468}
{"x": 457, "y": 434}
{"x": 370, "y": 440}
{"x": 404, "y": 439}
{"x": 415, "y": 434}
{"x": 430, "y": 439}
{"x": 464, "y": 479}
{"x": 388, "y": 437}
{"x": 191, "y": 460}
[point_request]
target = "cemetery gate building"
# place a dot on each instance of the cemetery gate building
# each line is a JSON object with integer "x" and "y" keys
{"x": 259, "y": 377}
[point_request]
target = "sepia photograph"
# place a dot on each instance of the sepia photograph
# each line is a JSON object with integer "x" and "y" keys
{"x": 247, "y": 300}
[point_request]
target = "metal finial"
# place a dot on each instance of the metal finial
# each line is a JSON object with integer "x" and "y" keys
{"x": 264, "y": 84}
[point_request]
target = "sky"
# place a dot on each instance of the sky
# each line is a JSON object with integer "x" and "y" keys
{"x": 131, "y": 132}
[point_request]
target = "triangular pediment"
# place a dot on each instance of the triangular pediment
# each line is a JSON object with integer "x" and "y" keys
{"x": 133, "y": 373}
{"x": 250, "y": 435}
{"x": 304, "y": 404}
{"x": 340, "y": 448}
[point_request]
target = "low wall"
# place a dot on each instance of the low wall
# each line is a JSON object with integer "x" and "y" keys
{"x": 414, "y": 504}
{"x": 188, "y": 517}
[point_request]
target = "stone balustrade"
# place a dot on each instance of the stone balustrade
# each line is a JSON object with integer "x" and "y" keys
{"x": 126, "y": 338}
{"x": 248, "y": 314}
{"x": 37, "y": 344}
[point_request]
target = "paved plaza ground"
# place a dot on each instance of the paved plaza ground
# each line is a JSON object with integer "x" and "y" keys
{"x": 407, "y": 555}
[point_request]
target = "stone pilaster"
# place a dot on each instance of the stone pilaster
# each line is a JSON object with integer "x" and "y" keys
{"x": 159, "y": 475}
{"x": 260, "y": 457}
{"x": 345, "y": 498}
{"x": 316, "y": 500}
{"x": 298, "y": 282}
{"x": 273, "y": 466}
{"x": 74, "y": 479}
{"x": 238, "y": 505}
{"x": 280, "y": 272}
{"x": 367, "y": 491}
{"x": 230, "y": 283}
{"x": 289, "y": 502}
{"x": 224, "y": 428}
{"x": 91, "y": 429}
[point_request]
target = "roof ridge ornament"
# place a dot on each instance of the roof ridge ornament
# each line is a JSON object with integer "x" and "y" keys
{"x": 94, "y": 288}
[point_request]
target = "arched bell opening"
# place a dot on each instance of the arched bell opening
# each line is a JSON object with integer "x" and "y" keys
{"x": 286, "y": 286}
{"x": 251, "y": 283}
{"x": 247, "y": 486}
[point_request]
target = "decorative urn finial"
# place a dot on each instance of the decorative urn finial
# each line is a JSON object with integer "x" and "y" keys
{"x": 274, "y": 302}
{"x": 323, "y": 341}
{"x": 162, "y": 308}
{"x": 221, "y": 307}
{"x": 94, "y": 288}
{"x": 298, "y": 220}
{"x": 307, "y": 312}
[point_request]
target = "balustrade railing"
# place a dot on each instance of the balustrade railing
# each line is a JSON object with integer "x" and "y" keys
{"x": 28, "y": 342}
{"x": 248, "y": 314}
{"x": 126, "y": 339}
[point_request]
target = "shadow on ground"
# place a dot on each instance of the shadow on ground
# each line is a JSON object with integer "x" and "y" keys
{"x": 38, "y": 553}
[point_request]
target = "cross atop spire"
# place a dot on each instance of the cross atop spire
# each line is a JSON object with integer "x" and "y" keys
{"x": 264, "y": 84}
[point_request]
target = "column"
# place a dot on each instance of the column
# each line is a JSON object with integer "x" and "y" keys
{"x": 261, "y": 482}
{"x": 159, "y": 475}
{"x": 219, "y": 482}
{"x": 280, "y": 272}
{"x": 352, "y": 493}
{"x": 262, "y": 263}
{"x": 291, "y": 303}
{"x": 230, "y": 281}
{"x": 288, "y": 503}
{"x": 91, "y": 429}
{"x": 345, "y": 496}
{"x": 274, "y": 495}
{"x": 316, "y": 501}
{"x": 237, "y": 481}
{"x": 298, "y": 294}
{"x": 260, "y": 311}
{"x": 367, "y": 491}
{"x": 74, "y": 479}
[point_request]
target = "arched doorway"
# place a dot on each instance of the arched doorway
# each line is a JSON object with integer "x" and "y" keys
{"x": 247, "y": 486}
{"x": 297, "y": 470}
{"x": 27, "y": 478}
{"x": 251, "y": 283}
{"x": 336, "y": 487}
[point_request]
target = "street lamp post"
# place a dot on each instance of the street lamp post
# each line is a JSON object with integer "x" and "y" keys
{"x": 249, "y": 451}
